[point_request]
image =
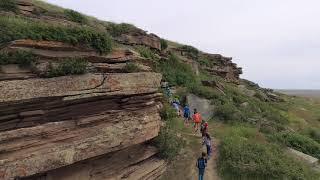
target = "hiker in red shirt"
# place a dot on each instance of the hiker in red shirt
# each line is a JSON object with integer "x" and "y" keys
{"x": 196, "y": 120}
{"x": 204, "y": 127}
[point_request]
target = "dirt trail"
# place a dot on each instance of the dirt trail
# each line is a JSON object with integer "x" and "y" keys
{"x": 184, "y": 167}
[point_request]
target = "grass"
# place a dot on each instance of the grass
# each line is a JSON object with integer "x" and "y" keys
{"x": 146, "y": 52}
{"x": 19, "y": 28}
{"x": 244, "y": 154}
{"x": 164, "y": 44}
{"x": 191, "y": 51}
{"x": 8, "y": 5}
{"x": 69, "y": 66}
{"x": 299, "y": 142}
{"x": 118, "y": 29}
{"x": 168, "y": 142}
{"x": 75, "y": 16}
{"x": 175, "y": 72}
{"x": 23, "y": 58}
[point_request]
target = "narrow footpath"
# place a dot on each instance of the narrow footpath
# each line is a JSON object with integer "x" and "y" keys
{"x": 184, "y": 166}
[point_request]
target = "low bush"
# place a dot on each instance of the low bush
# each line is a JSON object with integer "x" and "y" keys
{"x": 75, "y": 16}
{"x": 315, "y": 135}
{"x": 243, "y": 158}
{"x": 299, "y": 142}
{"x": 23, "y": 58}
{"x": 164, "y": 44}
{"x": 168, "y": 142}
{"x": 118, "y": 29}
{"x": 227, "y": 112}
{"x": 146, "y": 52}
{"x": 131, "y": 67}
{"x": 176, "y": 72}
{"x": 191, "y": 51}
{"x": 13, "y": 28}
{"x": 8, "y": 5}
{"x": 67, "y": 67}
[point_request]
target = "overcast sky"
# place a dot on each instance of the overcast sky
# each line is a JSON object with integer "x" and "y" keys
{"x": 277, "y": 42}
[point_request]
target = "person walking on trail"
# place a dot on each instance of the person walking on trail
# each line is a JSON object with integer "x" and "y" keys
{"x": 176, "y": 107}
{"x": 196, "y": 120}
{"x": 204, "y": 127}
{"x": 186, "y": 114}
{"x": 207, "y": 142}
{"x": 201, "y": 165}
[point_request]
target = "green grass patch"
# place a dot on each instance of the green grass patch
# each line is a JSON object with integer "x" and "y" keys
{"x": 175, "y": 72}
{"x": 119, "y": 29}
{"x": 244, "y": 154}
{"x": 8, "y": 5}
{"x": 168, "y": 142}
{"x": 243, "y": 159}
{"x": 75, "y": 16}
{"x": 299, "y": 142}
{"x": 23, "y": 58}
{"x": 190, "y": 50}
{"x": 69, "y": 66}
{"x": 164, "y": 44}
{"x": 20, "y": 28}
{"x": 146, "y": 52}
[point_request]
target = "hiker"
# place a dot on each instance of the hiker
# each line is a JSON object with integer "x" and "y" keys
{"x": 196, "y": 120}
{"x": 207, "y": 142}
{"x": 203, "y": 127}
{"x": 186, "y": 114}
{"x": 201, "y": 165}
{"x": 176, "y": 107}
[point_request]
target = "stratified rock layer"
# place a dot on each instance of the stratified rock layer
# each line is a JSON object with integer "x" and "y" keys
{"x": 51, "y": 123}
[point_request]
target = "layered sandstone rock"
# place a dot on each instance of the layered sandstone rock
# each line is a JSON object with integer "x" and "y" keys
{"x": 52, "y": 123}
{"x": 140, "y": 37}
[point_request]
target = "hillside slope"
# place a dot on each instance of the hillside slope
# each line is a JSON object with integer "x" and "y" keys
{"x": 80, "y": 99}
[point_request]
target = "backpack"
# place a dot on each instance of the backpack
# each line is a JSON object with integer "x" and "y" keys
{"x": 201, "y": 163}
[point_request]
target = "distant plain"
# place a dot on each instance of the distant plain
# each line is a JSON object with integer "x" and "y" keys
{"x": 302, "y": 93}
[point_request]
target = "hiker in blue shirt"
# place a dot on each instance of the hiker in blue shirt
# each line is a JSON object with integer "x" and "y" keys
{"x": 201, "y": 165}
{"x": 186, "y": 114}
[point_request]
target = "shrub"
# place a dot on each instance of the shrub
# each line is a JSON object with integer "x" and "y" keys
{"x": 191, "y": 51}
{"x": 119, "y": 29}
{"x": 67, "y": 67}
{"x": 23, "y": 58}
{"x": 146, "y": 52}
{"x": 242, "y": 158}
{"x": 176, "y": 72}
{"x": 226, "y": 112}
{"x": 75, "y": 16}
{"x": 131, "y": 67}
{"x": 315, "y": 135}
{"x": 299, "y": 142}
{"x": 18, "y": 28}
{"x": 8, "y": 5}
{"x": 167, "y": 142}
{"x": 164, "y": 44}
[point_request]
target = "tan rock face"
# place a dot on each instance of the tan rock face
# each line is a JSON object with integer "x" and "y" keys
{"x": 135, "y": 162}
{"x": 52, "y": 123}
{"x": 140, "y": 38}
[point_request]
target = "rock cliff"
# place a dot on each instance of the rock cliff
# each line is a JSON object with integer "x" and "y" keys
{"x": 71, "y": 111}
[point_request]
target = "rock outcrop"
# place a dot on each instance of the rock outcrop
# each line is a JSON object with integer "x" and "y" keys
{"x": 204, "y": 106}
{"x": 48, "y": 126}
{"x": 52, "y": 123}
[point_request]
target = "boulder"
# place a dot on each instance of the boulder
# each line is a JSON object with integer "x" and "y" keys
{"x": 312, "y": 161}
{"x": 204, "y": 106}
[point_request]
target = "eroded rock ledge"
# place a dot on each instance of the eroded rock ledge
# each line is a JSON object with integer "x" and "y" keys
{"x": 53, "y": 123}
